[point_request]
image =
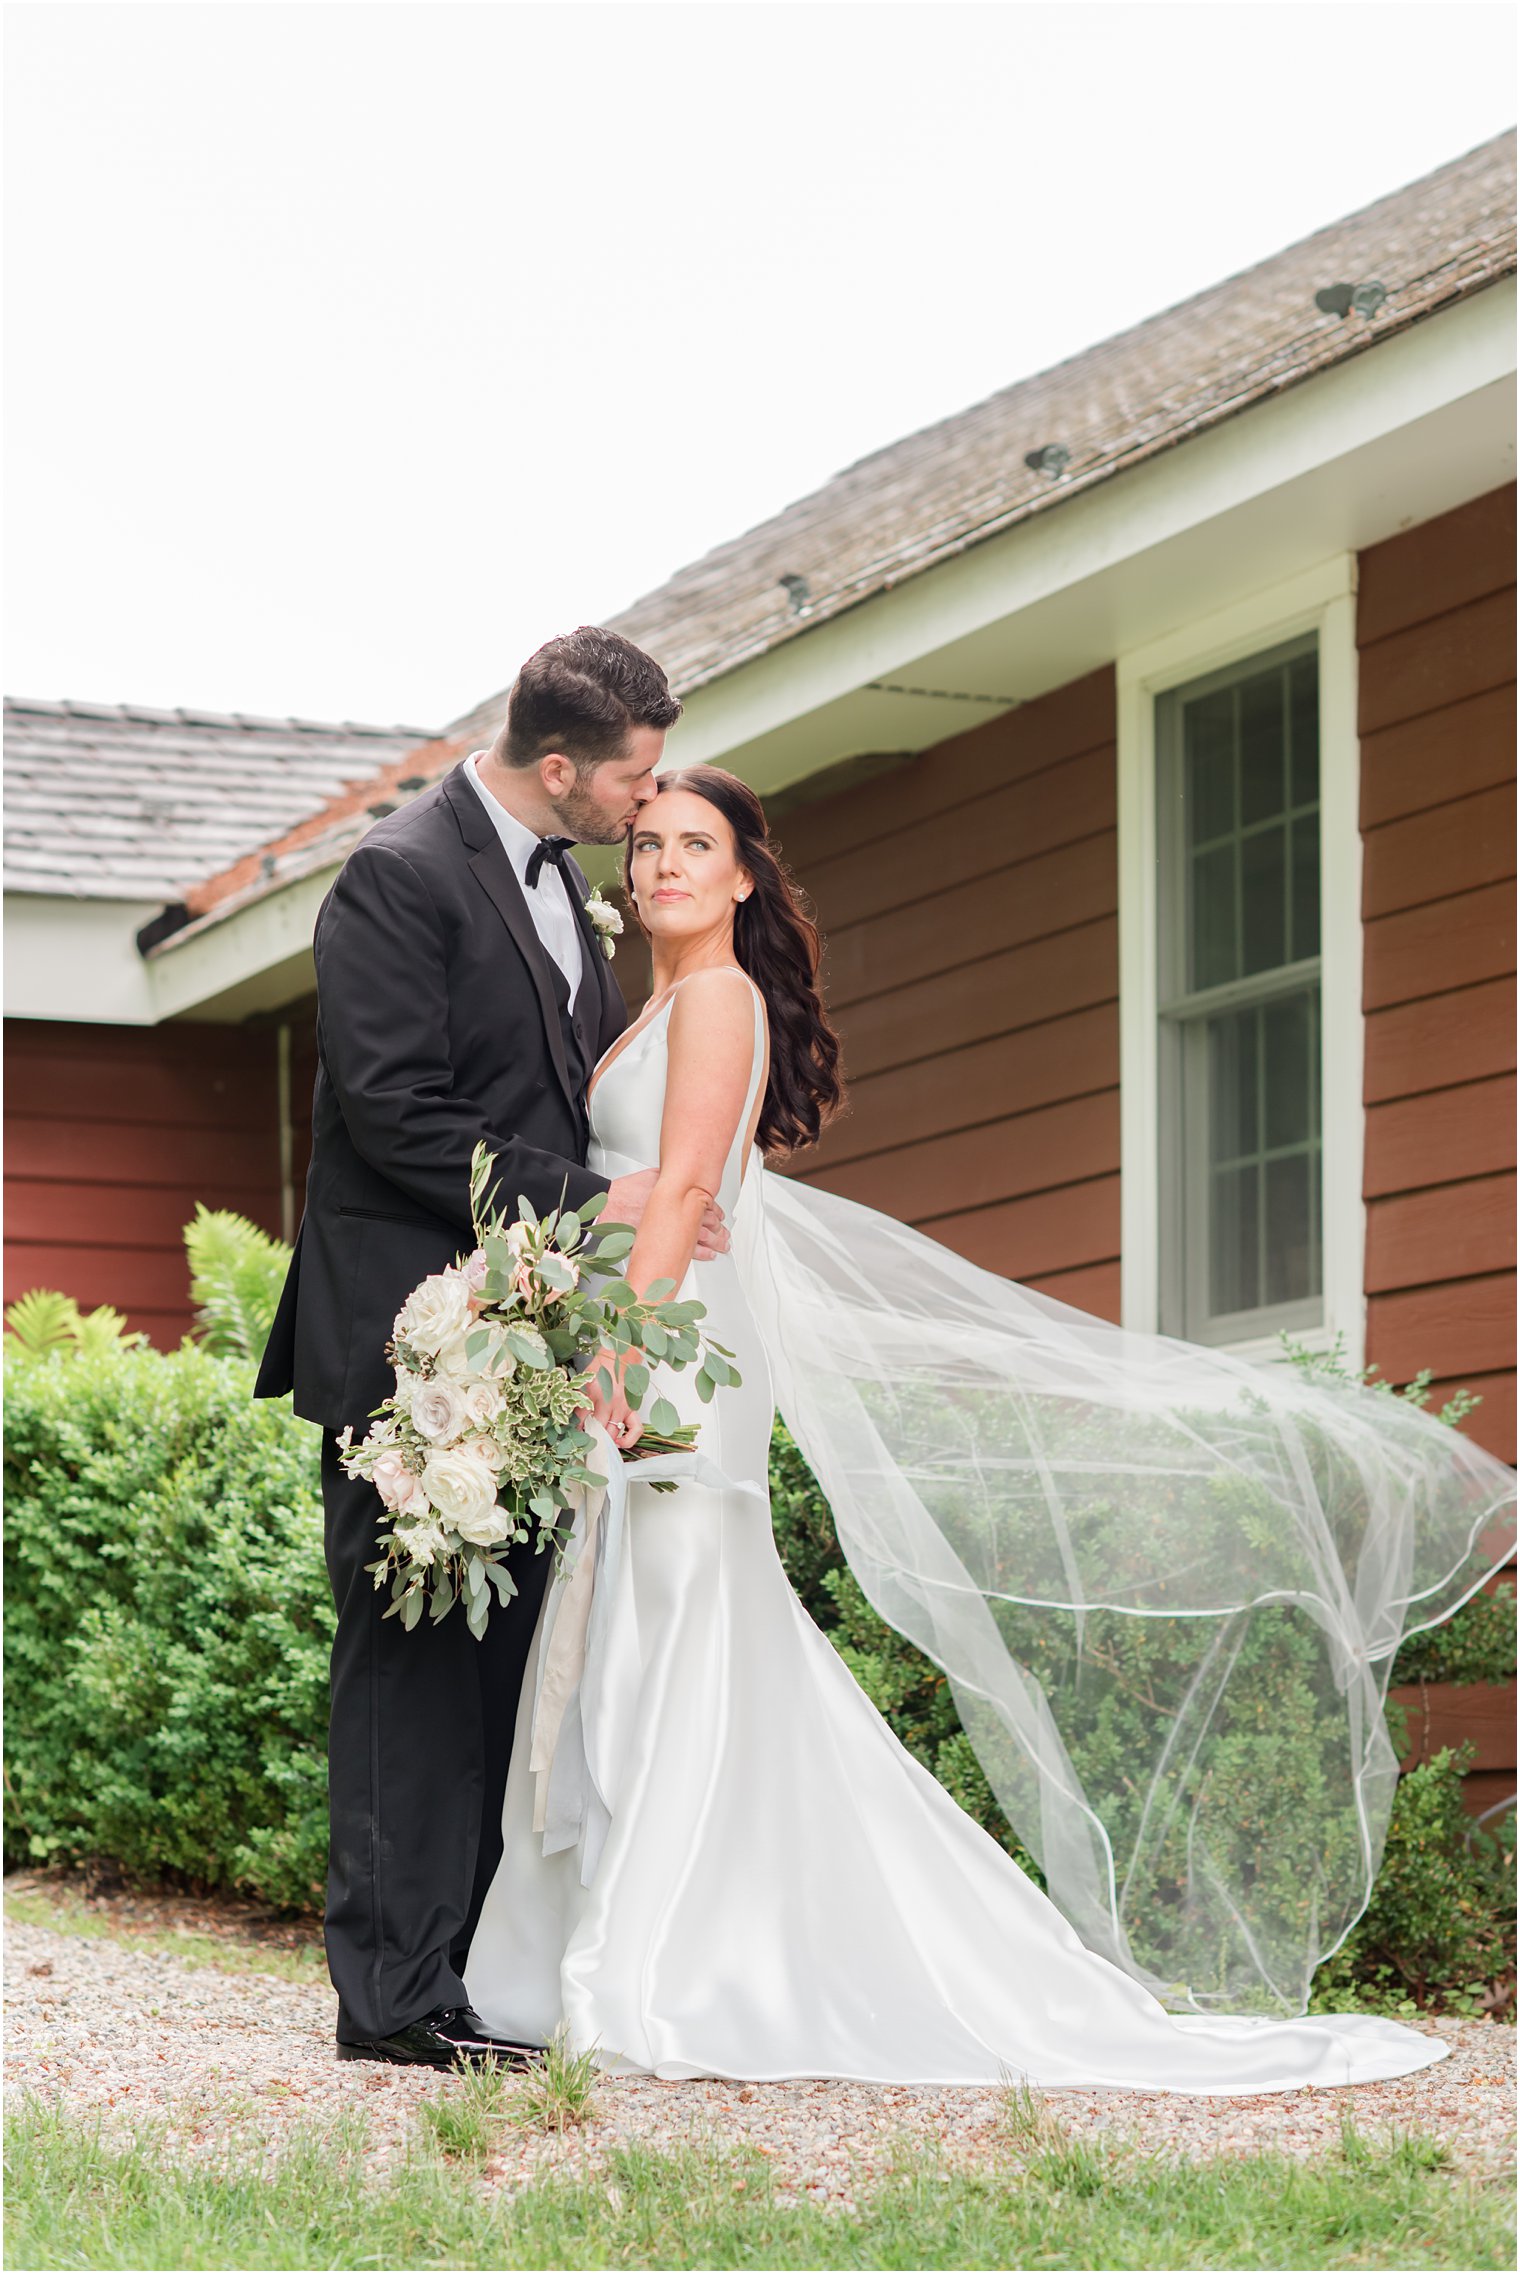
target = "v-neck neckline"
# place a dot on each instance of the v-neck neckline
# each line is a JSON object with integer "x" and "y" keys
{"x": 625, "y": 1043}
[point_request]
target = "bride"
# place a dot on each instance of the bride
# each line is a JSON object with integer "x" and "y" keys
{"x": 718, "y": 1859}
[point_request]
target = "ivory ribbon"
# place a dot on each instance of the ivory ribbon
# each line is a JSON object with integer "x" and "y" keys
{"x": 563, "y": 1658}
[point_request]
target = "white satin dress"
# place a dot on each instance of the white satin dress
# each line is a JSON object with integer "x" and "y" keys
{"x": 783, "y": 1891}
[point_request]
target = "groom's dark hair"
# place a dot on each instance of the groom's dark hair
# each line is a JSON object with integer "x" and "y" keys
{"x": 579, "y": 695}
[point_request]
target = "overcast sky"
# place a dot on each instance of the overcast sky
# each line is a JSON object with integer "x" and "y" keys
{"x": 354, "y": 349}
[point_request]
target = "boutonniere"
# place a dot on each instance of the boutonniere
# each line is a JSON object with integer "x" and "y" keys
{"x": 606, "y": 921}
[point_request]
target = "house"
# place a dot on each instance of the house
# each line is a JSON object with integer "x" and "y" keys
{"x": 118, "y": 1117}
{"x": 1144, "y": 735}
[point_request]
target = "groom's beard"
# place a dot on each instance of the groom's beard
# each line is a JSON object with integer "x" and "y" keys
{"x": 580, "y": 817}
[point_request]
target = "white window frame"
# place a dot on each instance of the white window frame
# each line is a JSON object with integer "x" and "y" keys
{"x": 1321, "y": 600}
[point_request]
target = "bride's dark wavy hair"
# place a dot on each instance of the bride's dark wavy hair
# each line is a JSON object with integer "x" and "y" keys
{"x": 777, "y": 943}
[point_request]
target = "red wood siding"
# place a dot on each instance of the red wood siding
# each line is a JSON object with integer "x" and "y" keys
{"x": 1435, "y": 629}
{"x": 112, "y": 1135}
{"x": 969, "y": 903}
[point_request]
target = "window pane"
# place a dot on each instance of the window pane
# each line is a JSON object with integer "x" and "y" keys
{"x": 1232, "y": 1240}
{"x": 1231, "y": 1047}
{"x": 1208, "y": 734}
{"x": 1213, "y": 917}
{"x": 1288, "y": 1037}
{"x": 1303, "y": 678}
{"x": 1263, "y": 893}
{"x": 1292, "y": 1252}
{"x": 1262, "y": 752}
{"x": 1305, "y": 886}
{"x": 1241, "y": 857}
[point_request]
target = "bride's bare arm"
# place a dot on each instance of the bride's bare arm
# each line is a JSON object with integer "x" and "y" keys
{"x": 710, "y": 1056}
{"x": 710, "y": 1045}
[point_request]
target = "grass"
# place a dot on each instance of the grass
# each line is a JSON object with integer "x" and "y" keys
{"x": 560, "y": 2093}
{"x": 466, "y": 2120}
{"x": 467, "y": 2117}
{"x": 75, "y": 2200}
{"x": 66, "y": 1913}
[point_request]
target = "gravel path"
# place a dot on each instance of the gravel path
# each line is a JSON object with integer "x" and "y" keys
{"x": 224, "y": 2058}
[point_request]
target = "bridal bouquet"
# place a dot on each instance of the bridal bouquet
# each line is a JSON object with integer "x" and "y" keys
{"x": 482, "y": 1444}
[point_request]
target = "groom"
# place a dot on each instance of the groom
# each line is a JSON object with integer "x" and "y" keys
{"x": 462, "y": 995}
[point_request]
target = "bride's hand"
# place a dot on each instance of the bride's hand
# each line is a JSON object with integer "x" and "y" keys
{"x": 620, "y": 1420}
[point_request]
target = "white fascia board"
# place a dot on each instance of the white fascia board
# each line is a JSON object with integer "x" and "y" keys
{"x": 254, "y": 960}
{"x": 1406, "y": 430}
{"x": 77, "y": 959}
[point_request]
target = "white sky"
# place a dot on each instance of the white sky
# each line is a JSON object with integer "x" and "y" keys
{"x": 354, "y": 349}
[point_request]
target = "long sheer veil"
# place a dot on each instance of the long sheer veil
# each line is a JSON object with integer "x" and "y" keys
{"x": 1165, "y": 1585}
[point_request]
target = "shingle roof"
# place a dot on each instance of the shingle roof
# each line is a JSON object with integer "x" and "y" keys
{"x": 967, "y": 478}
{"x": 111, "y": 801}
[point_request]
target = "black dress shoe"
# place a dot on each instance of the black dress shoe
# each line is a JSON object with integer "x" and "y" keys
{"x": 450, "y": 2037}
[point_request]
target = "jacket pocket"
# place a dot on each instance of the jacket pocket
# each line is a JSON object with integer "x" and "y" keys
{"x": 390, "y": 1216}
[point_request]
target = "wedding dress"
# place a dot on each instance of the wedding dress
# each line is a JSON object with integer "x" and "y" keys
{"x": 740, "y": 1871}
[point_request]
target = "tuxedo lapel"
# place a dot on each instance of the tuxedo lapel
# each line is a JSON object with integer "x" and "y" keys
{"x": 498, "y": 879}
{"x": 606, "y": 1014}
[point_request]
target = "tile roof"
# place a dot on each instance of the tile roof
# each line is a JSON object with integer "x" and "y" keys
{"x": 967, "y": 478}
{"x": 114, "y": 801}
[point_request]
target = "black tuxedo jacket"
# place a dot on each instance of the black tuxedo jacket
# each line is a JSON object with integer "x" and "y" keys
{"x": 441, "y": 1019}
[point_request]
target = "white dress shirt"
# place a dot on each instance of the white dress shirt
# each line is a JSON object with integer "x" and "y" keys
{"x": 549, "y": 899}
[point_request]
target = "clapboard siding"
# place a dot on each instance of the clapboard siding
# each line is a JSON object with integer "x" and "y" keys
{"x": 1464, "y": 1228}
{"x": 1437, "y": 1041}
{"x": 112, "y": 1135}
{"x": 1435, "y": 630}
{"x": 968, "y": 904}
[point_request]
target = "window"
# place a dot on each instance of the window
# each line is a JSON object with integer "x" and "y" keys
{"x": 1240, "y": 971}
{"x": 1238, "y": 968}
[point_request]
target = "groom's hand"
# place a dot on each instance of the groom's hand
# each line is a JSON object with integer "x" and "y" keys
{"x": 628, "y": 1196}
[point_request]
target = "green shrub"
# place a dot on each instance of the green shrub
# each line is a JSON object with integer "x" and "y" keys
{"x": 1477, "y": 1645}
{"x": 1440, "y": 1926}
{"x": 168, "y": 1624}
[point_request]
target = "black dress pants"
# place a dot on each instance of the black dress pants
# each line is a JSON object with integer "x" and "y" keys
{"x": 418, "y": 1747}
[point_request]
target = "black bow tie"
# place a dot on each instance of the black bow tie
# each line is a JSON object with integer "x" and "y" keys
{"x": 547, "y": 849}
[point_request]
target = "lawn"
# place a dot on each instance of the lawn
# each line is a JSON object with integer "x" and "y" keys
{"x": 78, "y": 2199}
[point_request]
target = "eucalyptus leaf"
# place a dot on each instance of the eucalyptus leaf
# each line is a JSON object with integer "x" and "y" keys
{"x": 664, "y": 1417}
{"x": 411, "y": 1609}
{"x": 635, "y": 1383}
{"x": 658, "y": 1289}
{"x": 705, "y": 1386}
{"x": 503, "y": 1582}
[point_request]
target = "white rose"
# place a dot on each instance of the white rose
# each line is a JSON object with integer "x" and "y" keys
{"x": 435, "y": 1312}
{"x": 438, "y": 1409}
{"x": 463, "y": 1490}
{"x": 453, "y": 1359}
{"x": 482, "y": 1403}
{"x": 484, "y": 1448}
